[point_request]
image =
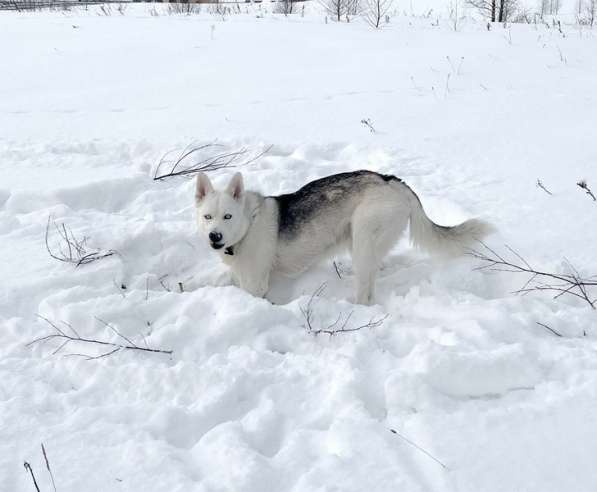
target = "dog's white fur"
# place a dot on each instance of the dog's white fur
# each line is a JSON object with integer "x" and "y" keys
{"x": 368, "y": 223}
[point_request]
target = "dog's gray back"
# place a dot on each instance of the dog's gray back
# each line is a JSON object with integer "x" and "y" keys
{"x": 316, "y": 218}
{"x": 327, "y": 197}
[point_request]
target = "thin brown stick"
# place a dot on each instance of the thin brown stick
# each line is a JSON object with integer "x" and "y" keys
{"x": 556, "y": 333}
{"x": 30, "y": 470}
{"x": 366, "y": 122}
{"x": 414, "y": 444}
{"x": 540, "y": 185}
{"x": 220, "y": 160}
{"x": 331, "y": 330}
{"x": 162, "y": 282}
{"x": 43, "y": 450}
{"x": 583, "y": 185}
{"x": 572, "y": 283}
{"x": 114, "y": 347}
{"x": 337, "y": 270}
{"x": 76, "y": 253}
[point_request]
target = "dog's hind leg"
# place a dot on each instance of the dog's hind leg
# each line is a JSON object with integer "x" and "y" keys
{"x": 375, "y": 229}
{"x": 364, "y": 271}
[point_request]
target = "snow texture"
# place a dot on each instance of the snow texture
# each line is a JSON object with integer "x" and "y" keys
{"x": 249, "y": 400}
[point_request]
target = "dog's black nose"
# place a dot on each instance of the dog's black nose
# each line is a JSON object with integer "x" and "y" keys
{"x": 215, "y": 237}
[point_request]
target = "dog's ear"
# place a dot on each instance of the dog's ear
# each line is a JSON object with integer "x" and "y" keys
{"x": 203, "y": 187}
{"x": 236, "y": 187}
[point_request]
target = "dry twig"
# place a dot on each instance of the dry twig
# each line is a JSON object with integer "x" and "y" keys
{"x": 72, "y": 249}
{"x": 66, "y": 338}
{"x": 341, "y": 323}
{"x": 366, "y": 122}
{"x": 337, "y": 268}
{"x": 30, "y": 470}
{"x": 572, "y": 283}
{"x": 540, "y": 185}
{"x": 415, "y": 445}
{"x": 192, "y": 160}
{"x": 43, "y": 450}
{"x": 582, "y": 184}
{"x": 549, "y": 328}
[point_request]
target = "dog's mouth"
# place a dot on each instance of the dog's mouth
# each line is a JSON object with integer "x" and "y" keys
{"x": 217, "y": 245}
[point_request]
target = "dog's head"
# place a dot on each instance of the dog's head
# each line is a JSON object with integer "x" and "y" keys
{"x": 221, "y": 213}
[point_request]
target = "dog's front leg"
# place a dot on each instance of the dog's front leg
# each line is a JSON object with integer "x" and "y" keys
{"x": 256, "y": 287}
{"x": 253, "y": 278}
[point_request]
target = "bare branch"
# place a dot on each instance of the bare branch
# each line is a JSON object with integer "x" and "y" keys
{"x": 108, "y": 325}
{"x": 162, "y": 282}
{"x": 337, "y": 270}
{"x": 583, "y": 185}
{"x": 366, "y": 122}
{"x": 30, "y": 470}
{"x": 542, "y": 186}
{"x": 76, "y": 253}
{"x": 43, "y": 450}
{"x": 556, "y": 333}
{"x": 220, "y": 159}
{"x": 331, "y": 329}
{"x": 394, "y": 431}
{"x": 114, "y": 347}
{"x": 573, "y": 284}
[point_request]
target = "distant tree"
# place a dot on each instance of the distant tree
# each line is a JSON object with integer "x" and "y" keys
{"x": 543, "y": 7}
{"x": 336, "y": 8}
{"x": 488, "y": 8}
{"x": 507, "y": 9}
{"x": 591, "y": 11}
{"x": 554, "y": 7}
{"x": 353, "y": 7}
{"x": 376, "y": 10}
{"x": 496, "y": 10}
{"x": 284, "y": 7}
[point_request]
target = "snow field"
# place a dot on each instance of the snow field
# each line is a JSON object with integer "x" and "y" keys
{"x": 249, "y": 401}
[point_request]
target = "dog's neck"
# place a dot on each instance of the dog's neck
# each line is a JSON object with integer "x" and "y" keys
{"x": 254, "y": 202}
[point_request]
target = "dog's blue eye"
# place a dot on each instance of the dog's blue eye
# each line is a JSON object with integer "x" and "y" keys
{"x": 207, "y": 217}
{"x": 227, "y": 216}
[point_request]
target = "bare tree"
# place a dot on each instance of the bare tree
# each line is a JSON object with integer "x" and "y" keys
{"x": 544, "y": 7}
{"x": 552, "y": 7}
{"x": 337, "y": 9}
{"x": 184, "y": 8}
{"x": 506, "y": 10}
{"x": 487, "y": 8}
{"x": 591, "y": 12}
{"x": 495, "y": 10}
{"x": 285, "y": 7}
{"x": 353, "y": 7}
{"x": 374, "y": 12}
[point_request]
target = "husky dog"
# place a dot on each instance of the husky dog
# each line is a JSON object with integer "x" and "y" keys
{"x": 363, "y": 211}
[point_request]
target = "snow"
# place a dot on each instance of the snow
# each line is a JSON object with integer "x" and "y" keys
{"x": 249, "y": 400}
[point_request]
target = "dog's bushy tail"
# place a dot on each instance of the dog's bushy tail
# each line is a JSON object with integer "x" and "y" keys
{"x": 442, "y": 240}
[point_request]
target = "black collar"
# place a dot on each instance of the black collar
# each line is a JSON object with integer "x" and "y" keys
{"x": 229, "y": 251}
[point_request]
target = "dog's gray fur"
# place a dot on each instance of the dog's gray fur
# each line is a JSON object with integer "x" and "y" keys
{"x": 364, "y": 211}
